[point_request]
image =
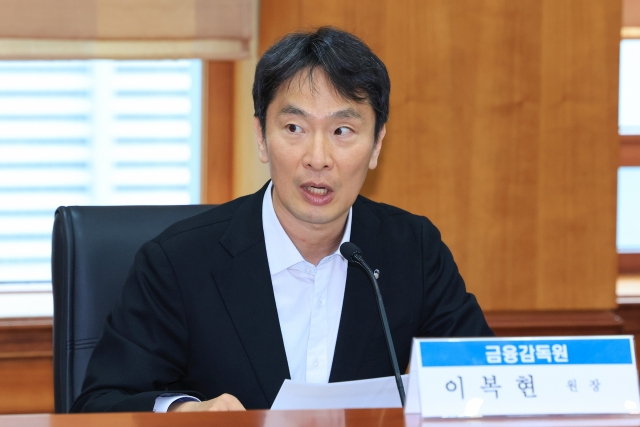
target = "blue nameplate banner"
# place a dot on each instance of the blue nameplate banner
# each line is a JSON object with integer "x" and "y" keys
{"x": 474, "y": 377}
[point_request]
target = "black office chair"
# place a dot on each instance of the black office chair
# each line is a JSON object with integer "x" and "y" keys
{"x": 93, "y": 250}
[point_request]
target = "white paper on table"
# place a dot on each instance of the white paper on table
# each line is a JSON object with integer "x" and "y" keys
{"x": 373, "y": 393}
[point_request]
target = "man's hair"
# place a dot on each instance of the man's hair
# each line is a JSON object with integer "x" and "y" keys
{"x": 354, "y": 70}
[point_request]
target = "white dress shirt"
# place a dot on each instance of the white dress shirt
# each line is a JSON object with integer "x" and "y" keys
{"x": 308, "y": 299}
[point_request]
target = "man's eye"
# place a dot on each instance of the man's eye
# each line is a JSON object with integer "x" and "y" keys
{"x": 294, "y": 128}
{"x": 342, "y": 131}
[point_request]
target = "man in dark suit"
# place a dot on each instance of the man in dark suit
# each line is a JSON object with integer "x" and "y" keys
{"x": 221, "y": 308}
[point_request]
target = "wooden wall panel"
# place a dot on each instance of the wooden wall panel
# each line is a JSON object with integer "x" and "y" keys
{"x": 27, "y": 385}
{"x": 578, "y": 154}
{"x": 217, "y": 153}
{"x": 631, "y": 13}
{"x": 26, "y": 366}
{"x": 503, "y": 131}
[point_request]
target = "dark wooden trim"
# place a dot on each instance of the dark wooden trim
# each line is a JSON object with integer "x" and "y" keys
{"x": 26, "y": 338}
{"x": 217, "y": 147}
{"x": 629, "y": 310}
{"x": 554, "y": 323}
{"x": 629, "y": 150}
{"x": 26, "y": 322}
{"x": 629, "y": 263}
{"x": 32, "y": 337}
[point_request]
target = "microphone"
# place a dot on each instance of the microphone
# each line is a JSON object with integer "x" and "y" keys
{"x": 353, "y": 254}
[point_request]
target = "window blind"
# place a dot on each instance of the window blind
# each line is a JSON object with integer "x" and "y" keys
{"x": 95, "y": 132}
{"x": 629, "y": 99}
{"x": 628, "y": 221}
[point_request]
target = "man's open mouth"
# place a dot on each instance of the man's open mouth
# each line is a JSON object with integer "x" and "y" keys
{"x": 320, "y": 191}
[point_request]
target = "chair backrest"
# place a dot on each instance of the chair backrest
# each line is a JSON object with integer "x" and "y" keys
{"x": 93, "y": 251}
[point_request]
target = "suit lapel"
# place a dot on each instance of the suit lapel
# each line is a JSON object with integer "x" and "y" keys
{"x": 359, "y": 319}
{"x": 245, "y": 286}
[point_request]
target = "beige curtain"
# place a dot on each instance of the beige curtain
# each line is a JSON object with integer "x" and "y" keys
{"x": 82, "y": 29}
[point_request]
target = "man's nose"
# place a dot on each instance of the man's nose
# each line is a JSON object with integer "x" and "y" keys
{"x": 319, "y": 152}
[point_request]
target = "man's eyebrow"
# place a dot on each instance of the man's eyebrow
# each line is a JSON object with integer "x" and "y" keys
{"x": 348, "y": 113}
{"x": 290, "y": 109}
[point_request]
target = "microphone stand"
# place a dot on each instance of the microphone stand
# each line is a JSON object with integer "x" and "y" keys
{"x": 356, "y": 257}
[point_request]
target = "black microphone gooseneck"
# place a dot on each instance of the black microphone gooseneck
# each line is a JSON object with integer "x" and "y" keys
{"x": 353, "y": 254}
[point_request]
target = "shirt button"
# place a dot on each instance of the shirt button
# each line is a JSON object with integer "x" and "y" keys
{"x": 315, "y": 364}
{"x": 319, "y": 303}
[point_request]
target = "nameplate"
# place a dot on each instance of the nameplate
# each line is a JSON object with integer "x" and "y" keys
{"x": 475, "y": 377}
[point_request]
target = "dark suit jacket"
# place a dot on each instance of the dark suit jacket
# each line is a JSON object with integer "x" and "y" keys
{"x": 197, "y": 314}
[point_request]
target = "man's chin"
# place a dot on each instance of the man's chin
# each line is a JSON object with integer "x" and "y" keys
{"x": 317, "y": 216}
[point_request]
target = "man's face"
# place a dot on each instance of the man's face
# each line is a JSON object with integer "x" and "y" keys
{"x": 319, "y": 147}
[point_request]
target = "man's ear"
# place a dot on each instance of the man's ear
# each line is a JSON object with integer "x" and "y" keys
{"x": 261, "y": 140}
{"x": 373, "y": 161}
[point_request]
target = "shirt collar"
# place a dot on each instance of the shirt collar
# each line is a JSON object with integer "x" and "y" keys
{"x": 281, "y": 252}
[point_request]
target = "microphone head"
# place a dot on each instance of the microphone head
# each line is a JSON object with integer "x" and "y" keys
{"x": 348, "y": 250}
